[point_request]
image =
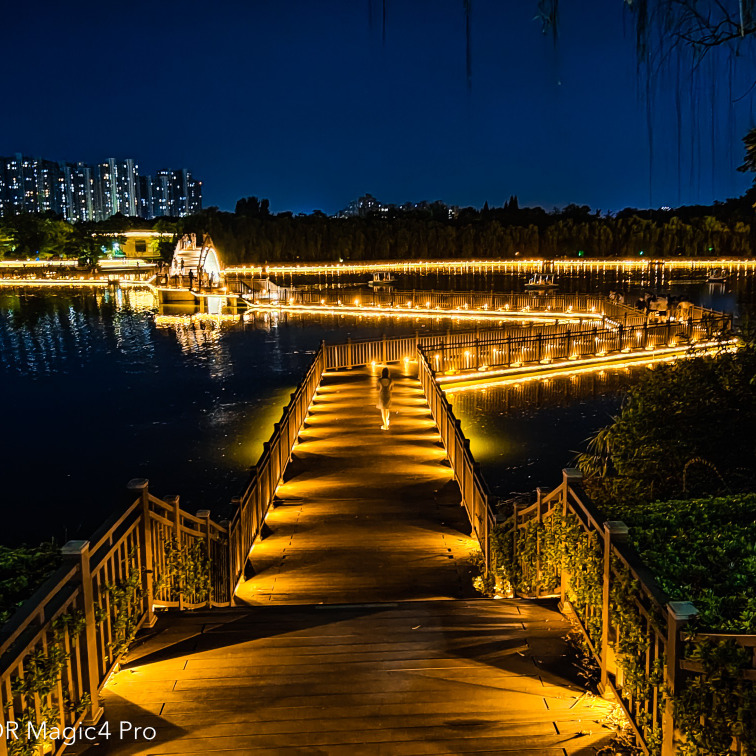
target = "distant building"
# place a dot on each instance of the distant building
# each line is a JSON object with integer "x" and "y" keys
{"x": 29, "y": 185}
{"x": 176, "y": 194}
{"x": 363, "y": 207}
{"x": 368, "y": 205}
{"x": 78, "y": 192}
{"x": 145, "y": 207}
{"x": 81, "y": 192}
{"x": 116, "y": 183}
{"x": 137, "y": 244}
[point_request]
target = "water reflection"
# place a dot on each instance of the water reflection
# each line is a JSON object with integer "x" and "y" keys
{"x": 736, "y": 295}
{"x": 43, "y": 333}
{"x": 524, "y": 433}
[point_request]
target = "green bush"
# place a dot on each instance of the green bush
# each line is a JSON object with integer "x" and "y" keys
{"x": 22, "y": 571}
{"x": 701, "y": 550}
{"x": 686, "y": 429}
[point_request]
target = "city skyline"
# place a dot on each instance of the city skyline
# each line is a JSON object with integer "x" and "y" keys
{"x": 85, "y": 192}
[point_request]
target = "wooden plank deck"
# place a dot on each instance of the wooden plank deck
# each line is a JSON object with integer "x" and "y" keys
{"x": 365, "y": 514}
{"x": 361, "y": 634}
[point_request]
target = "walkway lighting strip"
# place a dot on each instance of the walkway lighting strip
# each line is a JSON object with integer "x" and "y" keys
{"x": 465, "y": 314}
{"x": 518, "y": 375}
{"x": 53, "y": 282}
{"x": 513, "y": 265}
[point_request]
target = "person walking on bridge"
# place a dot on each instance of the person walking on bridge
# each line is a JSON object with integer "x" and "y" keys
{"x": 385, "y": 385}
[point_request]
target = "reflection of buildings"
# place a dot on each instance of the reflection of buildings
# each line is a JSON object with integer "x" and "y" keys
{"x": 46, "y": 335}
{"x": 201, "y": 336}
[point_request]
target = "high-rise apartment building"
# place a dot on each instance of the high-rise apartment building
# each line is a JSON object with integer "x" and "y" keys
{"x": 117, "y": 182}
{"x": 80, "y": 192}
{"x": 176, "y": 193}
{"x": 145, "y": 200}
{"x": 29, "y": 185}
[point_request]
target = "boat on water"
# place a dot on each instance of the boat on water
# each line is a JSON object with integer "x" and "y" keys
{"x": 716, "y": 276}
{"x": 541, "y": 282}
{"x": 382, "y": 279}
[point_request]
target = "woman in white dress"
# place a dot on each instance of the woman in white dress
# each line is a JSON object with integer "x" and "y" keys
{"x": 385, "y": 384}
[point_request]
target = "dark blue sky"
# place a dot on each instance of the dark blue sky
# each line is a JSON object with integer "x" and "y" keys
{"x": 302, "y": 102}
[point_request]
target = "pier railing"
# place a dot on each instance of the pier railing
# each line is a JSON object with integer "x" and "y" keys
{"x": 475, "y": 494}
{"x": 448, "y": 300}
{"x": 354, "y": 353}
{"x": 611, "y": 591}
{"x": 566, "y": 343}
{"x": 59, "y": 648}
{"x": 508, "y": 345}
{"x": 250, "y": 508}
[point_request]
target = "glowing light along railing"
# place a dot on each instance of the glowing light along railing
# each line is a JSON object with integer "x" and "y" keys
{"x": 354, "y": 353}
{"x": 130, "y": 546}
{"x": 250, "y": 509}
{"x": 481, "y": 304}
{"x": 616, "y": 362}
{"x": 493, "y": 265}
{"x": 472, "y": 486}
{"x": 492, "y": 358}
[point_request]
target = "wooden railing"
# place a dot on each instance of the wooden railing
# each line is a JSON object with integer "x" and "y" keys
{"x": 250, "y": 508}
{"x": 564, "y": 342}
{"x": 355, "y": 353}
{"x": 363, "y": 352}
{"x": 475, "y": 494}
{"x": 88, "y": 610}
{"x": 450, "y": 300}
{"x": 663, "y": 656}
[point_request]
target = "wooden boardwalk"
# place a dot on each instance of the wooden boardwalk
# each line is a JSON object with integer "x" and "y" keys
{"x": 365, "y": 514}
{"x": 361, "y": 633}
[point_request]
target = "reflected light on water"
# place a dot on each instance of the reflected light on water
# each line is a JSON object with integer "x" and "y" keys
{"x": 524, "y": 432}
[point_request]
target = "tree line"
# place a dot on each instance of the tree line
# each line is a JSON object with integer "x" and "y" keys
{"x": 252, "y": 234}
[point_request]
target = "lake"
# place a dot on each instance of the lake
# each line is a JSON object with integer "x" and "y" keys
{"x": 98, "y": 388}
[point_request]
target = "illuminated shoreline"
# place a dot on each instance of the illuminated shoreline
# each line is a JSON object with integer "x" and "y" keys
{"x": 514, "y": 266}
{"x": 419, "y": 312}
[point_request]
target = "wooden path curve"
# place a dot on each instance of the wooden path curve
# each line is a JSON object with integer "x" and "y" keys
{"x": 361, "y": 633}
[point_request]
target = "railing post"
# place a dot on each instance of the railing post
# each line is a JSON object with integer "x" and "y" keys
{"x": 173, "y": 501}
{"x": 141, "y": 485}
{"x": 679, "y": 613}
{"x": 614, "y": 530}
{"x": 349, "y": 353}
{"x": 515, "y": 556}
{"x": 77, "y": 552}
{"x": 563, "y": 577}
{"x": 204, "y": 514}
{"x": 570, "y": 476}
{"x": 539, "y": 520}
{"x": 383, "y": 348}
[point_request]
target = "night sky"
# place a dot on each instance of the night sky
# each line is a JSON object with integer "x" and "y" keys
{"x": 304, "y": 103}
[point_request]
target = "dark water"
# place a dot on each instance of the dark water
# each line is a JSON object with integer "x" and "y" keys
{"x": 523, "y": 434}
{"x": 97, "y": 388}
